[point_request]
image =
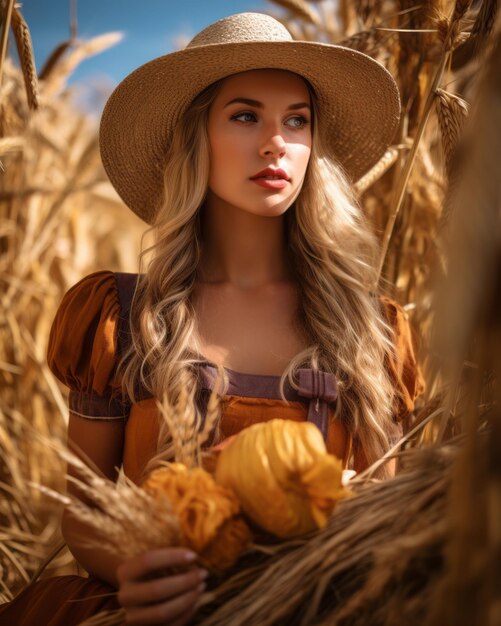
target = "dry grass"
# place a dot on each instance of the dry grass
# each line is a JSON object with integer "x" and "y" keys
{"x": 126, "y": 519}
{"x": 60, "y": 219}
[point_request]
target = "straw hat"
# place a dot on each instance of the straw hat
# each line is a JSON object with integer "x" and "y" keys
{"x": 358, "y": 100}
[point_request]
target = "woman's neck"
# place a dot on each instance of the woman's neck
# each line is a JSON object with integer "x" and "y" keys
{"x": 241, "y": 248}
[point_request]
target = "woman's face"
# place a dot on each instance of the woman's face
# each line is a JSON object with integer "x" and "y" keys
{"x": 260, "y": 119}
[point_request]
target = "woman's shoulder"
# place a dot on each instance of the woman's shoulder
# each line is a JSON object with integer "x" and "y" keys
{"x": 95, "y": 301}
{"x": 84, "y": 340}
{"x": 99, "y": 288}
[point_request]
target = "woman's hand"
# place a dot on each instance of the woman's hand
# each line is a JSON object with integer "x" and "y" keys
{"x": 150, "y": 597}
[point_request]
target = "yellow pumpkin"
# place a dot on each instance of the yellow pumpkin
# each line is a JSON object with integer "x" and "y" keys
{"x": 286, "y": 481}
{"x": 209, "y": 514}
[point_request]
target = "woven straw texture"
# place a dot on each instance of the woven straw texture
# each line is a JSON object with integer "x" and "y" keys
{"x": 358, "y": 100}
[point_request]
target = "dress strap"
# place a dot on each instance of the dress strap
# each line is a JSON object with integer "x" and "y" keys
{"x": 318, "y": 386}
{"x": 321, "y": 388}
{"x": 126, "y": 283}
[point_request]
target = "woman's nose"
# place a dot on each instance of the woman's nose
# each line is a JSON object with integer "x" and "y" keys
{"x": 274, "y": 145}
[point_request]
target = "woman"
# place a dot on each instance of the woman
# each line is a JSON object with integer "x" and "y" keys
{"x": 240, "y": 151}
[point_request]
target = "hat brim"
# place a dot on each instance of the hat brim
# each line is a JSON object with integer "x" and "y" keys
{"x": 358, "y": 100}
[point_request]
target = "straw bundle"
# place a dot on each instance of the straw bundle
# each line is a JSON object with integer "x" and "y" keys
{"x": 377, "y": 562}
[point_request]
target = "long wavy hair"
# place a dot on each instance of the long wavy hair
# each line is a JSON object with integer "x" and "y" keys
{"x": 334, "y": 254}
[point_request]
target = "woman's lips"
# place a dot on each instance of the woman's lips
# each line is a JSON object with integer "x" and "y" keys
{"x": 270, "y": 183}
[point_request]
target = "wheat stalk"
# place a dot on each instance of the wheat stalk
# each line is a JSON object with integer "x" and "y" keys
{"x": 452, "y": 112}
{"x": 403, "y": 180}
{"x": 359, "y": 41}
{"x": 26, "y": 57}
{"x": 449, "y": 38}
{"x": 187, "y": 434}
{"x": 475, "y": 41}
{"x": 7, "y": 17}
{"x": 375, "y": 173}
{"x": 365, "y": 9}
{"x": 180, "y": 420}
{"x": 54, "y": 58}
{"x": 128, "y": 520}
{"x": 300, "y": 9}
{"x": 484, "y": 23}
{"x": 56, "y": 78}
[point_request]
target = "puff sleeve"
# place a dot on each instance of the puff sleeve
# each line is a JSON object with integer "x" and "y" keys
{"x": 402, "y": 367}
{"x": 82, "y": 351}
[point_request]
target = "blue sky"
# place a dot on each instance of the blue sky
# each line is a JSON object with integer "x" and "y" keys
{"x": 150, "y": 29}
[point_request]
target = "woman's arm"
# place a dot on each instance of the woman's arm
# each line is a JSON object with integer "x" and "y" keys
{"x": 98, "y": 443}
{"x": 95, "y": 561}
{"x": 147, "y": 595}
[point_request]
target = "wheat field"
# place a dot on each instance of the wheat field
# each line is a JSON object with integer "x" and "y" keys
{"x": 435, "y": 202}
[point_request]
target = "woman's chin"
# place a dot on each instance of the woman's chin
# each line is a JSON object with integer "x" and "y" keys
{"x": 268, "y": 207}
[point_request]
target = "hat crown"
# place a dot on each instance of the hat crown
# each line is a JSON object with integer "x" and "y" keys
{"x": 240, "y": 28}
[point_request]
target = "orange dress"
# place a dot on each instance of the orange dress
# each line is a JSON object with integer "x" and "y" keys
{"x": 88, "y": 335}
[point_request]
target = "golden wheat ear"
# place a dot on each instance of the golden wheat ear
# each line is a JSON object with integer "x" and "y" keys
{"x": 187, "y": 433}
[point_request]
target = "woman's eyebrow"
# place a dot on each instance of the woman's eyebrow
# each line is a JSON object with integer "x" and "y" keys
{"x": 259, "y": 105}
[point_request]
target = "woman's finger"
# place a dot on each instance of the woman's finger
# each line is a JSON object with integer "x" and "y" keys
{"x": 136, "y": 593}
{"x": 166, "y": 612}
{"x": 144, "y": 564}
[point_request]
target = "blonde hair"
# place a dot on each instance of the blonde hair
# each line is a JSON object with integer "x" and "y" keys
{"x": 333, "y": 252}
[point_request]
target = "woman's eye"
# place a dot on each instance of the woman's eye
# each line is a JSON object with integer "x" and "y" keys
{"x": 300, "y": 119}
{"x": 238, "y": 115}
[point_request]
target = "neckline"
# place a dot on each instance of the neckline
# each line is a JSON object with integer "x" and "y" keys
{"x": 264, "y": 386}
{"x": 234, "y": 374}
